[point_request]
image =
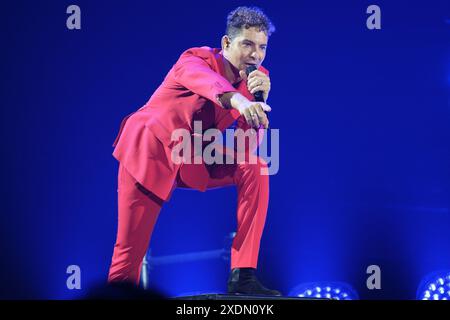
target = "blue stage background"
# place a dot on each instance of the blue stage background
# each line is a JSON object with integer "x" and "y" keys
{"x": 364, "y": 154}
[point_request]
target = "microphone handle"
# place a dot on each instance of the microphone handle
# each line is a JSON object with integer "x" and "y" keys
{"x": 259, "y": 97}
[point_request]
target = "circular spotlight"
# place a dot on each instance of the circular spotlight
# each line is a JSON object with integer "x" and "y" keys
{"x": 325, "y": 290}
{"x": 435, "y": 286}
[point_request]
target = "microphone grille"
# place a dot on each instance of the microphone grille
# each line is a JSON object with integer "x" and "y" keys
{"x": 250, "y": 69}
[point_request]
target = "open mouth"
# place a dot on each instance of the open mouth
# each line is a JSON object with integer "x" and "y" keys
{"x": 247, "y": 65}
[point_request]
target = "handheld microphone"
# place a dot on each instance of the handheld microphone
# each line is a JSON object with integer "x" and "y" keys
{"x": 258, "y": 94}
{"x": 259, "y": 97}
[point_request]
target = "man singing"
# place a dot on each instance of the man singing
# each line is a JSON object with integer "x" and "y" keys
{"x": 208, "y": 85}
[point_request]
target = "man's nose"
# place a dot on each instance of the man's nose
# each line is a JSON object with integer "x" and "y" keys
{"x": 256, "y": 55}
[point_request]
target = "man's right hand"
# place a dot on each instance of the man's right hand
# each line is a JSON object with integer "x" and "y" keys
{"x": 253, "y": 112}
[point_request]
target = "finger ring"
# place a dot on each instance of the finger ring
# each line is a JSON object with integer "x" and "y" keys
{"x": 252, "y": 115}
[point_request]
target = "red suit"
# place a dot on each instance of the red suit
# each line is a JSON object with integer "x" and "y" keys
{"x": 147, "y": 175}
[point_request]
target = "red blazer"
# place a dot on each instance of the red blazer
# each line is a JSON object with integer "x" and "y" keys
{"x": 189, "y": 92}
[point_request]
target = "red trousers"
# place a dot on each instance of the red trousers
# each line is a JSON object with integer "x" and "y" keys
{"x": 139, "y": 210}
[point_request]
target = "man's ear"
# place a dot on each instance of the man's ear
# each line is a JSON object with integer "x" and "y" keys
{"x": 225, "y": 42}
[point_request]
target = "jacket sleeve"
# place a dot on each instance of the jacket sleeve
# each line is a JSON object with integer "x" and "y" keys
{"x": 196, "y": 74}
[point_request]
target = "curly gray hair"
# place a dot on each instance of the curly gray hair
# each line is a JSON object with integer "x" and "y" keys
{"x": 248, "y": 17}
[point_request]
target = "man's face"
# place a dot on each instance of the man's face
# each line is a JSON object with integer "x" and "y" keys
{"x": 245, "y": 49}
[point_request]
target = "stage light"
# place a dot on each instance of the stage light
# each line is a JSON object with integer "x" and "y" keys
{"x": 435, "y": 286}
{"x": 325, "y": 290}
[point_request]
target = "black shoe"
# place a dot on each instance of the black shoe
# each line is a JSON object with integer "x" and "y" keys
{"x": 243, "y": 281}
